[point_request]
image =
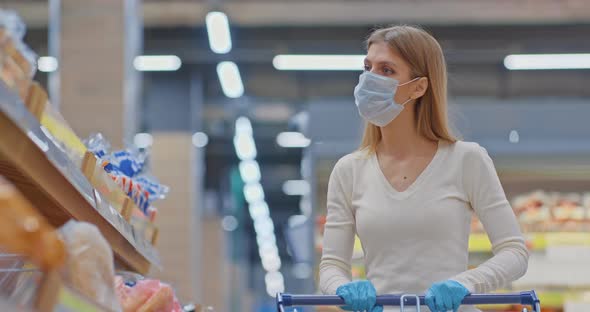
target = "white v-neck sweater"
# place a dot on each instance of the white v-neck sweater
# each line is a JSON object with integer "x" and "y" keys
{"x": 414, "y": 238}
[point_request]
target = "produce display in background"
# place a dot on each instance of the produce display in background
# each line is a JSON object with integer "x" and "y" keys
{"x": 126, "y": 168}
{"x": 541, "y": 211}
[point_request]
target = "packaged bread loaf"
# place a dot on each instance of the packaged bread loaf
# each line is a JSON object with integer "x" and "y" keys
{"x": 24, "y": 231}
{"x": 89, "y": 267}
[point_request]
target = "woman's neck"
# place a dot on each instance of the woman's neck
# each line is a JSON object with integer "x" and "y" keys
{"x": 401, "y": 139}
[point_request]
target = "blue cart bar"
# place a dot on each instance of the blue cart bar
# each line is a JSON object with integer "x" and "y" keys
{"x": 528, "y": 298}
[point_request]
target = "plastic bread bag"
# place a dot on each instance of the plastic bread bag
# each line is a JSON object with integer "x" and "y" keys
{"x": 30, "y": 57}
{"x": 132, "y": 189}
{"x": 142, "y": 190}
{"x": 98, "y": 145}
{"x": 129, "y": 162}
{"x": 13, "y": 24}
{"x": 155, "y": 189}
{"x": 137, "y": 294}
{"x": 89, "y": 266}
{"x": 16, "y": 68}
{"x": 19, "y": 62}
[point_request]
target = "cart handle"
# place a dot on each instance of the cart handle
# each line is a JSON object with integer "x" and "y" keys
{"x": 525, "y": 298}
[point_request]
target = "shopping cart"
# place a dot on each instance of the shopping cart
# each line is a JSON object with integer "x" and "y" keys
{"x": 526, "y": 298}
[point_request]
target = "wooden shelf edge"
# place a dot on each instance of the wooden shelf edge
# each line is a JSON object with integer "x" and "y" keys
{"x": 26, "y": 165}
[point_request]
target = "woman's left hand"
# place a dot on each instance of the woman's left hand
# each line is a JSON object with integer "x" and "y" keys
{"x": 445, "y": 296}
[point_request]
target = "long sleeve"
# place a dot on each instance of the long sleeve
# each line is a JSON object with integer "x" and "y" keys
{"x": 488, "y": 200}
{"x": 335, "y": 269}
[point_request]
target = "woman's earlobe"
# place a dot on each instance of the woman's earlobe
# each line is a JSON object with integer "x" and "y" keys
{"x": 423, "y": 86}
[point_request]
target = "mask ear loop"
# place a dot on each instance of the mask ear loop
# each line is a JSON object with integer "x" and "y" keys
{"x": 406, "y": 102}
{"x": 405, "y": 83}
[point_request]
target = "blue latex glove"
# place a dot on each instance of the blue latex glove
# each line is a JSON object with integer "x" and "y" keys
{"x": 359, "y": 296}
{"x": 445, "y": 296}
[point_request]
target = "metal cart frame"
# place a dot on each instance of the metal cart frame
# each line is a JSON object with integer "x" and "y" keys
{"x": 528, "y": 298}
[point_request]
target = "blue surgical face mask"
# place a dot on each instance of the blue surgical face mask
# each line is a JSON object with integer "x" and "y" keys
{"x": 374, "y": 95}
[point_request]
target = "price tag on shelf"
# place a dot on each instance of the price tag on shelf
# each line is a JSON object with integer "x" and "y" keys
{"x": 104, "y": 208}
{"x": 41, "y": 144}
{"x": 82, "y": 185}
{"x": 98, "y": 201}
{"x": 113, "y": 217}
{"x": 129, "y": 232}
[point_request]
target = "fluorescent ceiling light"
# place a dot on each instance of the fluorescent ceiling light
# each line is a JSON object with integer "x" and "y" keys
{"x": 547, "y": 61}
{"x": 318, "y": 62}
{"x": 47, "y": 64}
{"x": 274, "y": 278}
{"x": 253, "y": 193}
{"x": 514, "y": 137}
{"x": 218, "y": 32}
{"x": 245, "y": 146}
{"x": 296, "y": 187}
{"x": 273, "y": 291}
{"x": 268, "y": 249}
{"x": 157, "y": 63}
{"x": 271, "y": 263}
{"x": 259, "y": 210}
{"x": 200, "y": 139}
{"x": 250, "y": 171}
{"x": 243, "y": 126}
{"x": 264, "y": 227}
{"x": 230, "y": 79}
{"x": 266, "y": 241}
{"x": 292, "y": 140}
{"x": 143, "y": 140}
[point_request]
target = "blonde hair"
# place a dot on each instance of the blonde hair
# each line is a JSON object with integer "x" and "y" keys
{"x": 426, "y": 59}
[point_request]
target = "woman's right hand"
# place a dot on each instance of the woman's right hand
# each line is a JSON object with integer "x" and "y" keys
{"x": 359, "y": 296}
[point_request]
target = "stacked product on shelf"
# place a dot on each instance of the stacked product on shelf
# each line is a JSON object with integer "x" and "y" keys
{"x": 34, "y": 259}
{"x": 77, "y": 257}
{"x": 127, "y": 169}
{"x": 18, "y": 62}
{"x": 541, "y": 211}
{"x": 52, "y": 179}
{"x": 553, "y": 211}
{"x": 39, "y": 150}
{"x": 553, "y": 223}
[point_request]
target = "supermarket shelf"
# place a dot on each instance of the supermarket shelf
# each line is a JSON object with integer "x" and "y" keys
{"x": 57, "y": 188}
{"x": 558, "y": 268}
{"x": 549, "y": 299}
{"x": 536, "y": 241}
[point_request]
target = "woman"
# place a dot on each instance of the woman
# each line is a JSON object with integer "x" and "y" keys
{"x": 410, "y": 191}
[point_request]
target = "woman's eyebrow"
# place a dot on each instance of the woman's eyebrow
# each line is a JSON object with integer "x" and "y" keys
{"x": 381, "y": 62}
{"x": 388, "y": 63}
